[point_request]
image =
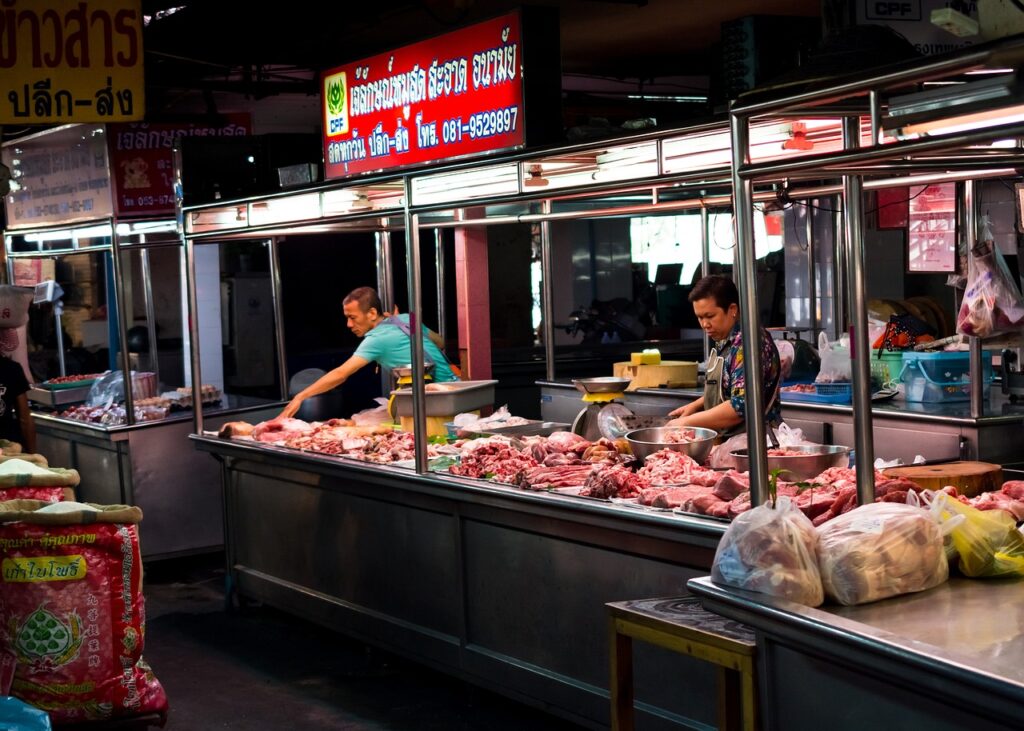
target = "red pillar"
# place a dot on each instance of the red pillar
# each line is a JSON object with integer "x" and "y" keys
{"x": 473, "y": 302}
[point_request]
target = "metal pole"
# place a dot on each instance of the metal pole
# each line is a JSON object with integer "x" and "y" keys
{"x": 439, "y": 267}
{"x": 385, "y": 275}
{"x": 385, "y": 288}
{"x": 58, "y": 310}
{"x": 122, "y": 327}
{"x": 705, "y": 260}
{"x": 969, "y": 210}
{"x": 419, "y": 406}
{"x": 875, "y": 102}
{"x": 193, "y": 334}
{"x": 860, "y": 353}
{"x": 746, "y": 283}
{"x": 812, "y": 282}
{"x": 276, "y": 302}
{"x": 147, "y": 296}
{"x": 547, "y": 294}
{"x": 838, "y": 274}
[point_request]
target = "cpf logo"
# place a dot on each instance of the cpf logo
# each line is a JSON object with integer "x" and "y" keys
{"x": 335, "y": 104}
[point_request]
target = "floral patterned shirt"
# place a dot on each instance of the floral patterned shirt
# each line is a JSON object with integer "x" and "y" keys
{"x": 734, "y": 382}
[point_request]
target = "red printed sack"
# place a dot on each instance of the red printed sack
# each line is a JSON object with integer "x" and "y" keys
{"x": 71, "y": 612}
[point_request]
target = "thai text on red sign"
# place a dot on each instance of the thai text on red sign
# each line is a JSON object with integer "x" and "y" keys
{"x": 455, "y": 95}
{"x": 142, "y": 159}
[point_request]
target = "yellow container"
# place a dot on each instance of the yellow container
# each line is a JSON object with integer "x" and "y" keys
{"x": 435, "y": 424}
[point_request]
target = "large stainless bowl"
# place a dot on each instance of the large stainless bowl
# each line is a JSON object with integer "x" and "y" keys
{"x": 812, "y": 462}
{"x": 645, "y": 442}
{"x": 605, "y": 384}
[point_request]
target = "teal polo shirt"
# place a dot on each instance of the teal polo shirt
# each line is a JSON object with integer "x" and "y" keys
{"x": 389, "y": 346}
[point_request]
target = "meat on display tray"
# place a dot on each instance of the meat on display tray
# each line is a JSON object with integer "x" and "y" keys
{"x": 823, "y": 393}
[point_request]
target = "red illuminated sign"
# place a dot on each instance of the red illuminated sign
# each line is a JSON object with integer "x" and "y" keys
{"x": 142, "y": 160}
{"x": 454, "y": 95}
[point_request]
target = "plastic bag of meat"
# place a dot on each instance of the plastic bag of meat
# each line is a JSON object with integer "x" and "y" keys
{"x": 992, "y": 302}
{"x": 987, "y": 541}
{"x": 772, "y": 550}
{"x": 72, "y": 620}
{"x": 881, "y": 550}
{"x": 835, "y": 360}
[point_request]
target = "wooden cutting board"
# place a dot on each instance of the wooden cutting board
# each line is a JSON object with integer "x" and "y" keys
{"x": 669, "y": 373}
{"x": 970, "y": 478}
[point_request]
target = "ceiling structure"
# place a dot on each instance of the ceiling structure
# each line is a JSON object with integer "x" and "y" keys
{"x": 205, "y": 47}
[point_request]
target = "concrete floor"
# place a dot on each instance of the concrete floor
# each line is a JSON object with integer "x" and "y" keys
{"x": 263, "y": 669}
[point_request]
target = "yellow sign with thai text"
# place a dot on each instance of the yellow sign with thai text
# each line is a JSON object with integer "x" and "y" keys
{"x": 43, "y": 568}
{"x": 71, "y": 61}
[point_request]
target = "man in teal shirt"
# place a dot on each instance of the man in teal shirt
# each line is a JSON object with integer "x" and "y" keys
{"x": 385, "y": 341}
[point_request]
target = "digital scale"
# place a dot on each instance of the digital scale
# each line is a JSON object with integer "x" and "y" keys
{"x": 604, "y": 415}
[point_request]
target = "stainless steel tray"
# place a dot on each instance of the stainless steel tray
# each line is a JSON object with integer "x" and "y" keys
{"x": 533, "y": 429}
{"x": 58, "y": 397}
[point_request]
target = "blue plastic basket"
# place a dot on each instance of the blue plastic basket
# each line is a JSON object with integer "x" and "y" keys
{"x": 824, "y": 393}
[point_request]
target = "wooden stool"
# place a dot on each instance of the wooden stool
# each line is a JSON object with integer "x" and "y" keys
{"x": 682, "y": 625}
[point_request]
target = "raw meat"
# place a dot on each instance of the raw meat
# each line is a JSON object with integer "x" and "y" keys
{"x": 493, "y": 459}
{"x": 674, "y": 497}
{"x": 999, "y": 500}
{"x": 236, "y": 429}
{"x": 614, "y": 480}
{"x": 566, "y": 441}
{"x": 1014, "y": 489}
{"x": 539, "y": 478}
{"x": 731, "y": 484}
{"x": 280, "y": 429}
{"x": 710, "y": 504}
{"x": 666, "y": 467}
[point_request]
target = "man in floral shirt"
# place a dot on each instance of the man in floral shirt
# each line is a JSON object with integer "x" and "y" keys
{"x": 715, "y": 302}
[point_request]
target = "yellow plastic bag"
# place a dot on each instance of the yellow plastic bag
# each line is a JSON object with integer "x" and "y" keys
{"x": 987, "y": 541}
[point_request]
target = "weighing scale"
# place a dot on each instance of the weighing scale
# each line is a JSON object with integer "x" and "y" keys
{"x": 603, "y": 415}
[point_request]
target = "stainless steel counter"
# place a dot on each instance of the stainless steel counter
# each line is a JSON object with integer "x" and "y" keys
{"x": 502, "y": 587}
{"x": 948, "y": 658}
{"x": 147, "y": 465}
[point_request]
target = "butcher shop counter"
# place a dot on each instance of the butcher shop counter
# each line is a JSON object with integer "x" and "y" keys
{"x": 902, "y": 429}
{"x": 502, "y": 587}
{"x": 148, "y": 465}
{"x": 947, "y": 659}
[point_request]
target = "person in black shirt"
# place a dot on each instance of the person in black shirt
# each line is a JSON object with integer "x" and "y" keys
{"x": 15, "y": 418}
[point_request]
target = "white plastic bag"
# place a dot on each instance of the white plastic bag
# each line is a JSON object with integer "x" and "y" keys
{"x": 772, "y": 550}
{"x": 373, "y": 416}
{"x": 881, "y": 550}
{"x": 835, "y": 360}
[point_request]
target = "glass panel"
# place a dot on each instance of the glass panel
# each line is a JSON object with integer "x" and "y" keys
{"x": 154, "y": 321}
{"x": 236, "y": 326}
{"x": 82, "y": 310}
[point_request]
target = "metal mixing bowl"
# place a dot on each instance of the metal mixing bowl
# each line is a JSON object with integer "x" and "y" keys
{"x": 814, "y": 460}
{"x": 605, "y": 384}
{"x": 645, "y": 442}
